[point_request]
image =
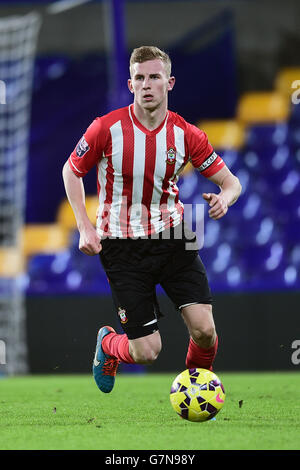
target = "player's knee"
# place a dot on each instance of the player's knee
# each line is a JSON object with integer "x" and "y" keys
{"x": 204, "y": 336}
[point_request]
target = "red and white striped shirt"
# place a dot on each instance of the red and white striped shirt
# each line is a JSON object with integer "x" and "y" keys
{"x": 137, "y": 170}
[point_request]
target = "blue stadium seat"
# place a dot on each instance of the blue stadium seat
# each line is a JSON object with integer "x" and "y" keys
{"x": 291, "y": 277}
{"x": 252, "y": 161}
{"x": 291, "y": 273}
{"x": 232, "y": 158}
{"x": 225, "y": 269}
{"x": 265, "y": 136}
{"x": 292, "y": 228}
{"x": 286, "y": 204}
{"x": 251, "y": 206}
{"x": 294, "y": 256}
{"x": 212, "y": 229}
{"x": 294, "y": 119}
{"x": 47, "y": 272}
{"x": 264, "y": 264}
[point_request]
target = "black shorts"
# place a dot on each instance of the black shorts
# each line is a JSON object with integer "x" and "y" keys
{"x": 135, "y": 266}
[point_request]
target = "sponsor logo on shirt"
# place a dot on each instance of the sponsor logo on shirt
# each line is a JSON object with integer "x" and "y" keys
{"x": 82, "y": 147}
{"x": 208, "y": 161}
{"x": 171, "y": 156}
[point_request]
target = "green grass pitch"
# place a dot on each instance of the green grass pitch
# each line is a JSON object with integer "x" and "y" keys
{"x": 61, "y": 412}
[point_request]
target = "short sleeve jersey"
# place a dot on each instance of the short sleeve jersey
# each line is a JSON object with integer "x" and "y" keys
{"x": 137, "y": 170}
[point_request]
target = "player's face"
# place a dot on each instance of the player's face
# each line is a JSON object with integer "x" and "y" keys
{"x": 150, "y": 84}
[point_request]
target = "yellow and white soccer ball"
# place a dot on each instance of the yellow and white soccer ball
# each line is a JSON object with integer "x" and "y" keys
{"x": 197, "y": 394}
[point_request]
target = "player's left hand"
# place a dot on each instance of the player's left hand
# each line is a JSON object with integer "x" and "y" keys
{"x": 218, "y": 205}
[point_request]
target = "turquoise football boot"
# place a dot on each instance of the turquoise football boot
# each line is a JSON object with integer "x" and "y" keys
{"x": 104, "y": 366}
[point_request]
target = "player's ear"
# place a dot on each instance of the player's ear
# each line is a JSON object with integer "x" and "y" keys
{"x": 171, "y": 83}
{"x": 129, "y": 83}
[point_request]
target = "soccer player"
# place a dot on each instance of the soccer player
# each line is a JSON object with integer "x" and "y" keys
{"x": 139, "y": 152}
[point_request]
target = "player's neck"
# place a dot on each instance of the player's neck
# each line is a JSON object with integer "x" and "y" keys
{"x": 150, "y": 119}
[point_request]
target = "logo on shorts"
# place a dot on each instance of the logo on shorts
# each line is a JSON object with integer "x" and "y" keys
{"x": 82, "y": 147}
{"x": 171, "y": 156}
{"x": 122, "y": 315}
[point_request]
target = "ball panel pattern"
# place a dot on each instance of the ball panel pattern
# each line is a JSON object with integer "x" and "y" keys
{"x": 197, "y": 394}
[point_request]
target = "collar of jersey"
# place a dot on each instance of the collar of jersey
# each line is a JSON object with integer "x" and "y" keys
{"x": 140, "y": 125}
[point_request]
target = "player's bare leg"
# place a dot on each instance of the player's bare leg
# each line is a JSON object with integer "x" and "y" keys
{"x": 200, "y": 323}
{"x": 142, "y": 350}
{"x": 203, "y": 337}
{"x": 146, "y": 349}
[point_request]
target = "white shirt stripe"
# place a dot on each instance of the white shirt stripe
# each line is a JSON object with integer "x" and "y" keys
{"x": 117, "y": 162}
{"x": 138, "y": 182}
{"x": 180, "y": 153}
{"x": 159, "y": 172}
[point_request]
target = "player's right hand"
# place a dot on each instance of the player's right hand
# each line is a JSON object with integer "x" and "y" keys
{"x": 89, "y": 241}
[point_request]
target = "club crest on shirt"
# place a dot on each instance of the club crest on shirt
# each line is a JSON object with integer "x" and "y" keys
{"x": 122, "y": 315}
{"x": 171, "y": 156}
{"x": 82, "y": 147}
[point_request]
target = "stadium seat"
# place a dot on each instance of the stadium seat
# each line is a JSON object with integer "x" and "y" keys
{"x": 224, "y": 134}
{"x": 231, "y": 157}
{"x": 285, "y": 79}
{"x": 47, "y": 272}
{"x": 47, "y": 267}
{"x": 294, "y": 118}
{"x": 212, "y": 230}
{"x": 236, "y": 276}
{"x": 44, "y": 238}
{"x": 260, "y": 231}
{"x": 287, "y": 196}
{"x": 291, "y": 277}
{"x": 294, "y": 256}
{"x": 225, "y": 270}
{"x": 252, "y": 206}
{"x": 288, "y": 216}
{"x": 11, "y": 262}
{"x": 189, "y": 185}
{"x": 65, "y": 216}
{"x": 222, "y": 259}
{"x": 92, "y": 204}
{"x": 62, "y": 272}
{"x": 263, "y": 107}
{"x": 294, "y": 136}
{"x": 266, "y": 135}
{"x": 268, "y": 168}
{"x": 257, "y": 256}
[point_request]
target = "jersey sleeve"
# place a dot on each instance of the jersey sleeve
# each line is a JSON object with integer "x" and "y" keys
{"x": 202, "y": 154}
{"x": 88, "y": 150}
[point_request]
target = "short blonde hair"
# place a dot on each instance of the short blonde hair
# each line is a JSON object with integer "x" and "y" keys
{"x": 144, "y": 53}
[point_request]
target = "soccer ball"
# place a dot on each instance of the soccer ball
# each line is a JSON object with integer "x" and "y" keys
{"x": 197, "y": 394}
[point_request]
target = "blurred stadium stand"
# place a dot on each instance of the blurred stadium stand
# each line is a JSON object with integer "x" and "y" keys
{"x": 256, "y": 133}
{"x": 253, "y": 247}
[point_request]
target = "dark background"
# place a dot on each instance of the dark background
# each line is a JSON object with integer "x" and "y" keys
{"x": 255, "y": 332}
